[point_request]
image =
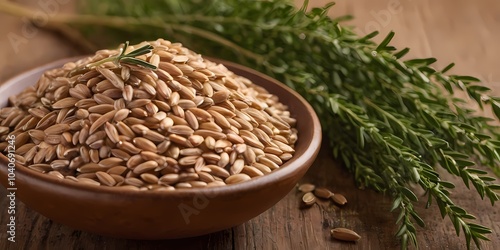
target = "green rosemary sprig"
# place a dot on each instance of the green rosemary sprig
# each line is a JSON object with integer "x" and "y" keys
{"x": 129, "y": 58}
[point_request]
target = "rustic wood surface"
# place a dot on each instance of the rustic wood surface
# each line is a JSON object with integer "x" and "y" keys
{"x": 465, "y": 32}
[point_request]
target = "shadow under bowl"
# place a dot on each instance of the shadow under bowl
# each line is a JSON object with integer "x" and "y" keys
{"x": 163, "y": 215}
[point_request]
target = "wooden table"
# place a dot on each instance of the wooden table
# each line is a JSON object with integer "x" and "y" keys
{"x": 458, "y": 31}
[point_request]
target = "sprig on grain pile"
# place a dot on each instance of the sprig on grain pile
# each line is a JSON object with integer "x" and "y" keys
{"x": 122, "y": 57}
{"x": 388, "y": 119}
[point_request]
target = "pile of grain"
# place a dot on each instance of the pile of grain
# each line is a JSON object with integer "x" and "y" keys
{"x": 189, "y": 123}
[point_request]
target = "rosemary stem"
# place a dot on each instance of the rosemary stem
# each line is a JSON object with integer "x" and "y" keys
{"x": 105, "y": 60}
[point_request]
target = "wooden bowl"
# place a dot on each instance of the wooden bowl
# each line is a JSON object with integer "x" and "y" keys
{"x": 164, "y": 215}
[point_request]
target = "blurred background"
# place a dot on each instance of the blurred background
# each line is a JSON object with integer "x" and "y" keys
{"x": 460, "y": 31}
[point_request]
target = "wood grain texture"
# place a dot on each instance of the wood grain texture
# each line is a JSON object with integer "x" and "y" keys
{"x": 460, "y": 31}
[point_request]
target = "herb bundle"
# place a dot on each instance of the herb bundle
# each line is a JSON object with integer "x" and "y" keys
{"x": 391, "y": 121}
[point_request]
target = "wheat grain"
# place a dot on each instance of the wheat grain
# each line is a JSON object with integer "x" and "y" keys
{"x": 145, "y": 167}
{"x": 308, "y": 199}
{"x": 144, "y": 144}
{"x": 133, "y": 182}
{"x": 149, "y": 178}
{"x": 169, "y": 179}
{"x": 237, "y": 166}
{"x": 117, "y": 170}
{"x": 306, "y": 188}
{"x": 237, "y": 178}
{"x": 105, "y": 178}
{"x": 339, "y": 199}
{"x": 322, "y": 193}
{"x": 252, "y": 171}
{"x": 344, "y": 234}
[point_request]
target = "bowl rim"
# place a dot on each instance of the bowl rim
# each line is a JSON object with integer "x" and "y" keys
{"x": 287, "y": 169}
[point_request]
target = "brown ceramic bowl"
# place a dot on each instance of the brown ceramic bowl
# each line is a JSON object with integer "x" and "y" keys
{"x": 165, "y": 215}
